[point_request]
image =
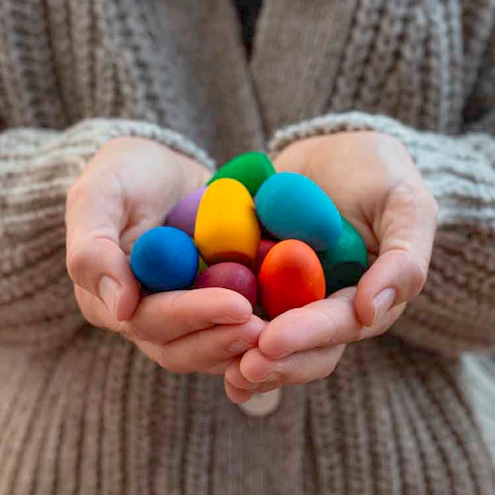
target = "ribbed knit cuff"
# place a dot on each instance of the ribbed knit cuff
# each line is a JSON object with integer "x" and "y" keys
{"x": 99, "y": 131}
{"x": 418, "y": 143}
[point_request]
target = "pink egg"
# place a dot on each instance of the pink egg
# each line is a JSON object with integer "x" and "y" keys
{"x": 231, "y": 276}
{"x": 263, "y": 248}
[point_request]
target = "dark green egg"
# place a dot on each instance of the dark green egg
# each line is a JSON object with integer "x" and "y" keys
{"x": 346, "y": 261}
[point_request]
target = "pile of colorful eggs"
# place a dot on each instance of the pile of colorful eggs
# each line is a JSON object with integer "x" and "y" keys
{"x": 275, "y": 238}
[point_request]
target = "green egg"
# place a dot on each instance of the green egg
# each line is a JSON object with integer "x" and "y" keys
{"x": 346, "y": 261}
{"x": 202, "y": 266}
{"x": 251, "y": 169}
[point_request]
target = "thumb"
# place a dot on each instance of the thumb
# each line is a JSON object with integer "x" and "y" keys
{"x": 95, "y": 260}
{"x": 406, "y": 229}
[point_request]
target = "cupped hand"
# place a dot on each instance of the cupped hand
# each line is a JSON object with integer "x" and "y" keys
{"x": 374, "y": 183}
{"x": 127, "y": 188}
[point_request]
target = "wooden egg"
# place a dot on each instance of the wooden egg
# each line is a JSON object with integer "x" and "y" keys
{"x": 345, "y": 262}
{"x": 227, "y": 228}
{"x": 292, "y": 206}
{"x": 232, "y": 276}
{"x": 164, "y": 259}
{"x": 183, "y": 214}
{"x": 291, "y": 276}
{"x": 264, "y": 247}
{"x": 251, "y": 169}
{"x": 202, "y": 266}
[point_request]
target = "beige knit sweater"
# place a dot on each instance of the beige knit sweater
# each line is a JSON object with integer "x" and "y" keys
{"x": 81, "y": 410}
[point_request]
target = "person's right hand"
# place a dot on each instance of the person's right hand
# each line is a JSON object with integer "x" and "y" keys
{"x": 127, "y": 188}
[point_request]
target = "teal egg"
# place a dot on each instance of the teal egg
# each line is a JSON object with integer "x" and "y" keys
{"x": 292, "y": 206}
{"x": 346, "y": 261}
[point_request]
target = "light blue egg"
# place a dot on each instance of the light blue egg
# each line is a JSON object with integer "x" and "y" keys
{"x": 164, "y": 259}
{"x": 292, "y": 206}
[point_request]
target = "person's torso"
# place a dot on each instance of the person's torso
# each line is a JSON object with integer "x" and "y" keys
{"x": 183, "y": 65}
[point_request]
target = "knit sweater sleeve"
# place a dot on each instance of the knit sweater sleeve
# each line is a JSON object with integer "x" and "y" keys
{"x": 456, "y": 309}
{"x": 37, "y": 307}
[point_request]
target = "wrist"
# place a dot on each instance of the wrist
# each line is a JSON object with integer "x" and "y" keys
{"x": 294, "y": 157}
{"x": 308, "y": 155}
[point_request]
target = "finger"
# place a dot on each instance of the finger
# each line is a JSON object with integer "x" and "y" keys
{"x": 327, "y": 322}
{"x": 298, "y": 368}
{"x": 406, "y": 230}
{"x": 237, "y": 388}
{"x": 234, "y": 376}
{"x": 218, "y": 369}
{"x": 93, "y": 309}
{"x": 95, "y": 261}
{"x": 236, "y": 395}
{"x": 242, "y": 338}
{"x": 164, "y": 317}
{"x": 205, "y": 349}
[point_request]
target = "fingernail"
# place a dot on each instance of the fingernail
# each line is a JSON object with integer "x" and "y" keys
{"x": 383, "y": 302}
{"x": 109, "y": 291}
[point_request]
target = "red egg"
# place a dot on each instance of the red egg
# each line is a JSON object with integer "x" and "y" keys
{"x": 263, "y": 248}
{"x": 230, "y": 275}
{"x": 291, "y": 276}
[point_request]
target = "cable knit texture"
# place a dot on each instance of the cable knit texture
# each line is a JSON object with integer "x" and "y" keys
{"x": 82, "y": 411}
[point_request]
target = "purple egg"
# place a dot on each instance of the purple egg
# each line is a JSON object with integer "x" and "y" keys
{"x": 231, "y": 276}
{"x": 183, "y": 214}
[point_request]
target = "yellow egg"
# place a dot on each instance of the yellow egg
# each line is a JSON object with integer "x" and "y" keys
{"x": 227, "y": 228}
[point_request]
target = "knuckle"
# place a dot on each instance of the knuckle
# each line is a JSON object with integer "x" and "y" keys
{"x": 330, "y": 323}
{"x": 405, "y": 196}
{"x": 73, "y": 192}
{"x": 77, "y": 262}
{"x": 77, "y": 192}
{"x": 86, "y": 261}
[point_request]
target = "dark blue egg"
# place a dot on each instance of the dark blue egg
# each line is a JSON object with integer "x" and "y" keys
{"x": 164, "y": 259}
{"x": 292, "y": 206}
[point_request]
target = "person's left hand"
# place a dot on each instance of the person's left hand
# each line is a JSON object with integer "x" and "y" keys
{"x": 374, "y": 183}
